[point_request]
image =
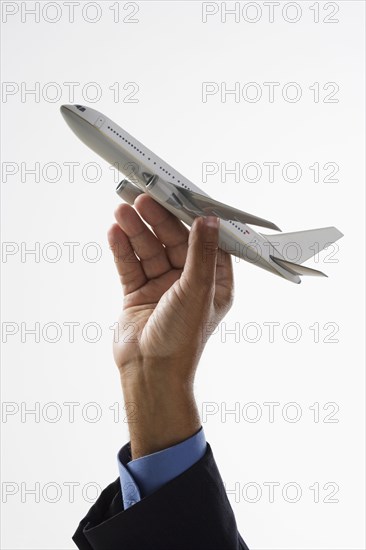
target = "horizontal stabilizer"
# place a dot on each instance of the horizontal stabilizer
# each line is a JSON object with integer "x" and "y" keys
{"x": 299, "y": 246}
{"x": 297, "y": 269}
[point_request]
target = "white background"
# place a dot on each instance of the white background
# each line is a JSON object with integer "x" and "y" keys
{"x": 169, "y": 52}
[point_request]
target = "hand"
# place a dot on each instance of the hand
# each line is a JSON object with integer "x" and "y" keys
{"x": 176, "y": 287}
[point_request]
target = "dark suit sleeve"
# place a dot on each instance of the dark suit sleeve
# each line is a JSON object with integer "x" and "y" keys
{"x": 191, "y": 511}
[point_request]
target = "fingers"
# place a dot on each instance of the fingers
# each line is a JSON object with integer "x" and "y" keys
{"x": 146, "y": 246}
{"x": 224, "y": 269}
{"x": 169, "y": 230}
{"x": 128, "y": 265}
{"x": 224, "y": 281}
{"x": 200, "y": 267}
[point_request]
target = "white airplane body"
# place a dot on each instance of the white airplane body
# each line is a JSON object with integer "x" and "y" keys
{"x": 144, "y": 172}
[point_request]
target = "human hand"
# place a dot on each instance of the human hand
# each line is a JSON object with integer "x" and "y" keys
{"x": 173, "y": 286}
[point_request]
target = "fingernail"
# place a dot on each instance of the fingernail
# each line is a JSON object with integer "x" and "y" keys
{"x": 212, "y": 221}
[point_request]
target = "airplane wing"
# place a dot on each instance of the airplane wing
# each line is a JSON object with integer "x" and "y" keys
{"x": 201, "y": 205}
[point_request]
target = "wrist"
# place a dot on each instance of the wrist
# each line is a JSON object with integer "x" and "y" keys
{"x": 164, "y": 410}
{"x": 157, "y": 373}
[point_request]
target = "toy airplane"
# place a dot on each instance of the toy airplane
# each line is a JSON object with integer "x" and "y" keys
{"x": 144, "y": 172}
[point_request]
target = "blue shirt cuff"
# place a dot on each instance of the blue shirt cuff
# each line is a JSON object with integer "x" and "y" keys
{"x": 142, "y": 476}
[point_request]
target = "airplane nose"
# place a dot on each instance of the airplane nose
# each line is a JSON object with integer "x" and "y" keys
{"x": 65, "y": 109}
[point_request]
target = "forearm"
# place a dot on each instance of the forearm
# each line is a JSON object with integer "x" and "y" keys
{"x": 163, "y": 412}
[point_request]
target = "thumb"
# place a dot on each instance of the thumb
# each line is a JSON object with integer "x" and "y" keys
{"x": 200, "y": 266}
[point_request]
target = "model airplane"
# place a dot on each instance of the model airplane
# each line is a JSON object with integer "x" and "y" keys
{"x": 144, "y": 172}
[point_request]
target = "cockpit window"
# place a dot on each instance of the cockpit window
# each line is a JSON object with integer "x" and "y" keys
{"x": 80, "y": 107}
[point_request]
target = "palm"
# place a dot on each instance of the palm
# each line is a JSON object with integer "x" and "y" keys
{"x": 150, "y": 266}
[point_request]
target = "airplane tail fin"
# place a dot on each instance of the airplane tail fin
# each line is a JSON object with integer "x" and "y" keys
{"x": 302, "y": 245}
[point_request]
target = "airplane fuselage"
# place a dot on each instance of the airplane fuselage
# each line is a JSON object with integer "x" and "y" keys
{"x": 138, "y": 165}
